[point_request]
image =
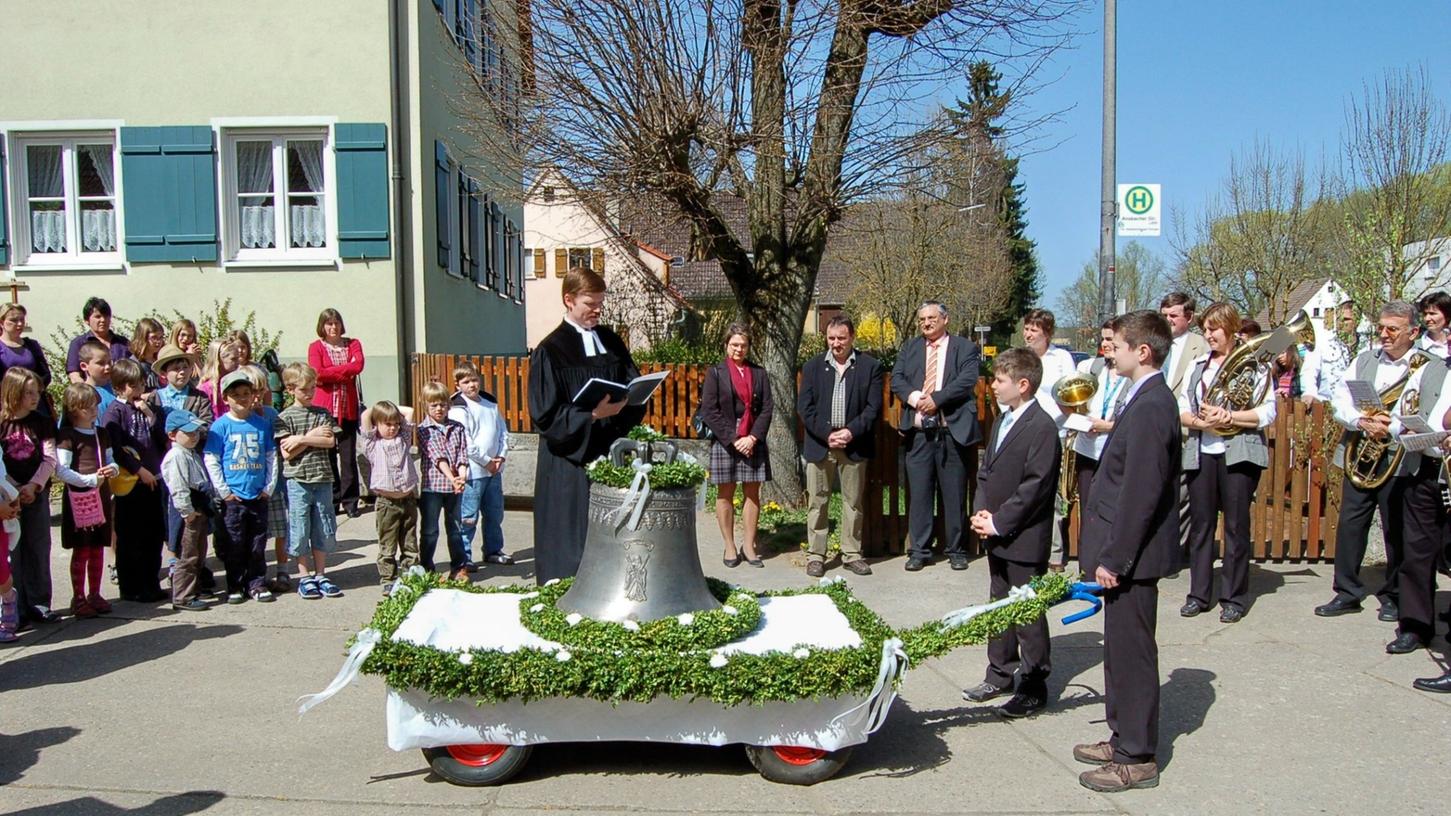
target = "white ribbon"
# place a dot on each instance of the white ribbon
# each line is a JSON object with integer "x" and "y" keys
{"x": 362, "y": 647}
{"x": 952, "y": 620}
{"x": 637, "y": 495}
{"x": 884, "y": 692}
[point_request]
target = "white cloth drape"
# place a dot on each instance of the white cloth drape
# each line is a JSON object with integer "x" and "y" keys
{"x": 258, "y": 225}
{"x": 98, "y": 230}
{"x": 102, "y": 158}
{"x": 47, "y": 231}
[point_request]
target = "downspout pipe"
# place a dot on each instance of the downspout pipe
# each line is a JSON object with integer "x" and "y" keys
{"x": 402, "y": 191}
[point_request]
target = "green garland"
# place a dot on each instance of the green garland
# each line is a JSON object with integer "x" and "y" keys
{"x": 677, "y": 474}
{"x": 669, "y": 657}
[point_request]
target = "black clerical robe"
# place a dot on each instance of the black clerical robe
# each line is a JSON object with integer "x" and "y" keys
{"x": 569, "y": 439}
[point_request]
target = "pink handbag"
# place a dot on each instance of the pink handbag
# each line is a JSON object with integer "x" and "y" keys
{"x": 86, "y": 508}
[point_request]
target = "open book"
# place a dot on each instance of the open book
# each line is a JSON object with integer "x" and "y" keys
{"x": 637, "y": 392}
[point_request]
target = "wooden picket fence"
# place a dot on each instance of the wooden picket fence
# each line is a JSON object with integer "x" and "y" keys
{"x": 1293, "y": 516}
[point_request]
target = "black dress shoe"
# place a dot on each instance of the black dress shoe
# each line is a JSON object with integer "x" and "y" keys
{"x": 732, "y": 562}
{"x": 1231, "y": 615}
{"x": 982, "y": 692}
{"x": 1440, "y": 685}
{"x": 1337, "y": 606}
{"x": 915, "y": 564}
{"x": 958, "y": 562}
{"x": 1191, "y": 609}
{"x": 1023, "y": 705}
{"x": 1405, "y": 643}
{"x": 1389, "y": 612}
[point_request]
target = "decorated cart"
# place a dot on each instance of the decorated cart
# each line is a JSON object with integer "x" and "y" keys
{"x": 642, "y": 647}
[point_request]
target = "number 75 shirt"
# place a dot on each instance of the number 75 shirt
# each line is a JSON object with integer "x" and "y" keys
{"x": 242, "y": 453}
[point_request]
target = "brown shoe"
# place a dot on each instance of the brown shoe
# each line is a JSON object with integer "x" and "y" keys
{"x": 859, "y": 566}
{"x": 815, "y": 568}
{"x": 1055, "y": 567}
{"x": 1098, "y": 753}
{"x": 461, "y": 574}
{"x": 1116, "y": 778}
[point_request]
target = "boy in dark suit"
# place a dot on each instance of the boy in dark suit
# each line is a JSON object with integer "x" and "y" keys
{"x": 1016, "y": 486}
{"x": 1129, "y": 540}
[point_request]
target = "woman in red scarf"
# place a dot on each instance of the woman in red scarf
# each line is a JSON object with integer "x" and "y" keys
{"x": 735, "y": 403}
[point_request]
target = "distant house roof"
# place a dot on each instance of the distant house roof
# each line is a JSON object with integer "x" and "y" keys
{"x": 1299, "y": 297}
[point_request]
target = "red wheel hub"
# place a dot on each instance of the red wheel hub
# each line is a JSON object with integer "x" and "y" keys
{"x": 794, "y": 755}
{"x": 477, "y": 755}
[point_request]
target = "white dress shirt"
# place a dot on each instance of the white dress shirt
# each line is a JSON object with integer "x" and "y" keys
{"x": 1111, "y": 386}
{"x": 591, "y": 338}
{"x": 1387, "y": 371}
{"x": 1057, "y": 364}
{"x": 1441, "y": 349}
{"x": 941, "y": 345}
{"x": 1265, "y": 412}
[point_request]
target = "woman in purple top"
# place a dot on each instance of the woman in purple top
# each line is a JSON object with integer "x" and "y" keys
{"x": 18, "y": 351}
{"x": 97, "y": 314}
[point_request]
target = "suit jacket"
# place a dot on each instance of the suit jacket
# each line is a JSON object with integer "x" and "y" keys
{"x": 1017, "y": 482}
{"x": 956, "y": 403}
{"x": 863, "y": 405}
{"x": 1131, "y": 526}
{"x": 1194, "y": 347}
{"x": 721, "y": 409}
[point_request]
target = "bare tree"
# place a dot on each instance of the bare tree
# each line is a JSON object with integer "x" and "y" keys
{"x": 1139, "y": 280}
{"x": 798, "y": 107}
{"x": 1395, "y": 200}
{"x": 1252, "y": 245}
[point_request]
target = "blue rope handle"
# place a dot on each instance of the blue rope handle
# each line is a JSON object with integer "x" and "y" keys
{"x": 1084, "y": 591}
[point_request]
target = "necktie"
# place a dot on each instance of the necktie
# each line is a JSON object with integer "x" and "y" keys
{"x": 1118, "y": 403}
{"x": 929, "y": 382}
{"x": 592, "y": 344}
{"x": 1169, "y": 362}
{"x": 1007, "y": 425}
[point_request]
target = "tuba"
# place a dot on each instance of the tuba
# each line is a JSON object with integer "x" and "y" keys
{"x": 1370, "y": 463}
{"x": 1244, "y": 380}
{"x": 1072, "y": 393}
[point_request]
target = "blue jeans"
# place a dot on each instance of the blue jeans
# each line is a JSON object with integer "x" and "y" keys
{"x": 429, "y": 506}
{"x": 311, "y": 525}
{"x": 483, "y": 497}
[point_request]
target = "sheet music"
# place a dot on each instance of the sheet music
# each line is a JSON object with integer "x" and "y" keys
{"x": 1417, "y": 442}
{"x": 1364, "y": 395}
{"x": 1078, "y": 422}
{"x": 1413, "y": 424}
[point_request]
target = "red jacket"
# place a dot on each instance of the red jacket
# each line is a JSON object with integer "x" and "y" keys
{"x": 337, "y": 385}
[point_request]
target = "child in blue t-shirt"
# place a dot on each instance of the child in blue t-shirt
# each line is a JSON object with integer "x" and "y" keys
{"x": 241, "y": 459}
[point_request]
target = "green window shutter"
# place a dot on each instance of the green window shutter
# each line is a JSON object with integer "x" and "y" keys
{"x": 441, "y": 191}
{"x": 170, "y": 199}
{"x": 475, "y": 232}
{"x": 496, "y": 243}
{"x": 362, "y": 173}
{"x": 4, "y": 222}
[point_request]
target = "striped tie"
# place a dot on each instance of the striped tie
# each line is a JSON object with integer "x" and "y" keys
{"x": 929, "y": 382}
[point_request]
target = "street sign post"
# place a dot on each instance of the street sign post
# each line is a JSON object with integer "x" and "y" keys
{"x": 1139, "y": 206}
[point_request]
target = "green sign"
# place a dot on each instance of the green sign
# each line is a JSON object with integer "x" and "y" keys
{"x": 1139, "y": 199}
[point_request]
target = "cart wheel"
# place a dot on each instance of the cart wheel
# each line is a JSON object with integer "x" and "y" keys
{"x": 792, "y": 765}
{"x": 477, "y": 765}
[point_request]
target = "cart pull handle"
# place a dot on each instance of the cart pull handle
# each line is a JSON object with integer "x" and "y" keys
{"x": 1084, "y": 591}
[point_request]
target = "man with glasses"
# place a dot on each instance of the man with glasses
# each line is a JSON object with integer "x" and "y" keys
{"x": 1383, "y": 366}
{"x": 936, "y": 376}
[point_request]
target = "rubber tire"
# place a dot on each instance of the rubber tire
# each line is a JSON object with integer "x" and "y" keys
{"x": 495, "y": 772}
{"x": 776, "y": 769}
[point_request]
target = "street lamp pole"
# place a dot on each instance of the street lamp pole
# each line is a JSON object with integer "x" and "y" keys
{"x": 1109, "y": 190}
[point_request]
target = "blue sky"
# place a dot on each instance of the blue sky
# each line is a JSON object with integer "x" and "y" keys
{"x": 1198, "y": 81}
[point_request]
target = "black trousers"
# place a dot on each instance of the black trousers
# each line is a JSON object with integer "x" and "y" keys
{"x": 140, "y": 534}
{"x": 1085, "y": 468}
{"x": 1426, "y": 529}
{"x": 1022, "y": 650}
{"x": 1216, "y": 487}
{"x": 1356, "y": 509}
{"x": 1131, "y": 670}
{"x": 345, "y": 465}
{"x": 936, "y": 468}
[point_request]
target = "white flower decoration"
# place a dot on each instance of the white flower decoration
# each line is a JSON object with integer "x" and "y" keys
{"x": 536, "y": 607}
{"x": 563, "y": 655}
{"x": 730, "y": 610}
{"x": 416, "y": 570}
{"x": 717, "y": 661}
{"x": 801, "y": 654}
{"x": 401, "y": 588}
{"x": 466, "y": 658}
{"x": 631, "y": 626}
{"x": 551, "y": 582}
{"x": 529, "y": 595}
{"x": 686, "y": 618}
{"x": 573, "y": 618}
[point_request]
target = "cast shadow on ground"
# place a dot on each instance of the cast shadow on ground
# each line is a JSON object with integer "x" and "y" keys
{"x": 84, "y": 662}
{"x": 19, "y": 752}
{"x": 179, "y": 804}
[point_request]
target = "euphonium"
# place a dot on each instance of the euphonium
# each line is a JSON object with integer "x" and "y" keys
{"x": 1369, "y": 463}
{"x": 1244, "y": 377}
{"x": 1072, "y": 393}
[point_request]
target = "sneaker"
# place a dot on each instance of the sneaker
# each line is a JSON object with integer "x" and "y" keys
{"x": 1022, "y": 705}
{"x": 859, "y": 566}
{"x": 1097, "y": 753}
{"x": 1115, "y": 777}
{"x": 498, "y": 558}
{"x": 114, "y": 579}
{"x": 307, "y": 588}
{"x": 235, "y": 598}
{"x": 263, "y": 595}
{"x": 815, "y": 569}
{"x": 328, "y": 588}
{"x": 82, "y": 608}
{"x": 471, "y": 566}
{"x": 193, "y": 605}
{"x": 99, "y": 604}
{"x": 982, "y": 692}
{"x": 388, "y": 589}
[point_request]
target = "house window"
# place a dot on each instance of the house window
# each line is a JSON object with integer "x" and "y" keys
{"x": 277, "y": 189}
{"x": 68, "y": 186}
{"x": 579, "y": 256}
{"x": 527, "y": 269}
{"x": 548, "y": 195}
{"x": 1434, "y": 263}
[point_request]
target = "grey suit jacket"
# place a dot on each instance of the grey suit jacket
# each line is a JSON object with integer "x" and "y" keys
{"x": 956, "y": 401}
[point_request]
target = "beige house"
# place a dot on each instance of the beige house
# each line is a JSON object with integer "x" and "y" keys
{"x": 289, "y": 156}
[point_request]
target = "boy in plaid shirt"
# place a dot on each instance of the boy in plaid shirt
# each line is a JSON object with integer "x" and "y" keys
{"x": 445, "y": 447}
{"x": 305, "y": 432}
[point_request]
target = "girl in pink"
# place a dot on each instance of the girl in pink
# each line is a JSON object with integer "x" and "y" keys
{"x": 222, "y": 359}
{"x": 83, "y": 462}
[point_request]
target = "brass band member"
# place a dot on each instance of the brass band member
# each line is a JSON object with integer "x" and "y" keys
{"x": 1107, "y": 400}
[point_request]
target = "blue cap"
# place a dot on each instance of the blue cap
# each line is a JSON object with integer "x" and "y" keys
{"x": 181, "y": 419}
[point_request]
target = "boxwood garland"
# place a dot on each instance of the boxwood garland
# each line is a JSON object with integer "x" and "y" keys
{"x": 610, "y": 662}
{"x": 677, "y": 474}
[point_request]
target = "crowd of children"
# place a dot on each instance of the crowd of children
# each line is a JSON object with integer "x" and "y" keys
{"x": 161, "y": 452}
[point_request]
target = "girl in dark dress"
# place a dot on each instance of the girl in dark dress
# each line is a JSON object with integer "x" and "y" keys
{"x": 84, "y": 463}
{"x": 573, "y": 436}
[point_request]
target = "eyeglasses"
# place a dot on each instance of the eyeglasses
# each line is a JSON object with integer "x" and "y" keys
{"x": 1393, "y": 331}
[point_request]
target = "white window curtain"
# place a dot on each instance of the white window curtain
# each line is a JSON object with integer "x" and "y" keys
{"x": 98, "y": 218}
{"x": 307, "y": 224}
{"x": 257, "y": 222}
{"x": 45, "y": 180}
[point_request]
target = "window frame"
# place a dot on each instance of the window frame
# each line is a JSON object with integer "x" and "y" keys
{"x": 233, "y": 253}
{"x": 18, "y": 190}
